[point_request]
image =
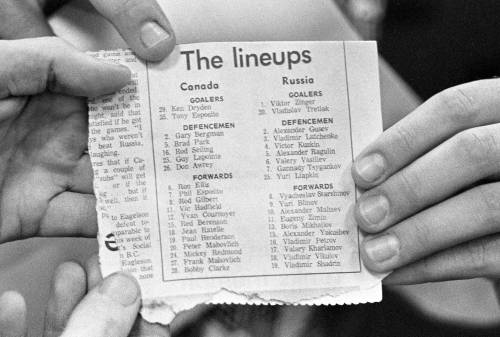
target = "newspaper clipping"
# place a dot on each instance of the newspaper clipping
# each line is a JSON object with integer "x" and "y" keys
{"x": 222, "y": 174}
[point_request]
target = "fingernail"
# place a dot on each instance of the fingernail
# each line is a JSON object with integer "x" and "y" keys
{"x": 371, "y": 167}
{"x": 120, "y": 288}
{"x": 374, "y": 209}
{"x": 152, "y": 34}
{"x": 382, "y": 248}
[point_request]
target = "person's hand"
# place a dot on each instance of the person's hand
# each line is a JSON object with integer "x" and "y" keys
{"x": 109, "y": 309}
{"x": 141, "y": 23}
{"x": 433, "y": 197}
{"x": 45, "y": 172}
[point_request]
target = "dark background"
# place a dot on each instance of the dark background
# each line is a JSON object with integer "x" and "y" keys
{"x": 436, "y": 44}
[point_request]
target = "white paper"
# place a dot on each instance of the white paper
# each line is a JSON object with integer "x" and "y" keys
{"x": 222, "y": 174}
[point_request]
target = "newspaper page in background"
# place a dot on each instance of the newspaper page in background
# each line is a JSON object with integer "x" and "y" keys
{"x": 222, "y": 174}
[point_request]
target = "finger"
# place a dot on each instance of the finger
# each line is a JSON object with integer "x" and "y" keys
{"x": 12, "y": 315}
{"x": 93, "y": 270}
{"x": 22, "y": 19}
{"x": 467, "y": 216}
{"x": 82, "y": 180}
{"x": 110, "y": 309}
{"x": 32, "y": 66}
{"x": 70, "y": 214}
{"x": 444, "y": 115}
{"x": 143, "y": 328}
{"x": 466, "y": 158}
{"x": 68, "y": 288}
{"x": 142, "y": 24}
{"x": 478, "y": 258}
{"x": 11, "y": 107}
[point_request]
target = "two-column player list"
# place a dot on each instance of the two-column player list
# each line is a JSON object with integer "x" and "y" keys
{"x": 264, "y": 154}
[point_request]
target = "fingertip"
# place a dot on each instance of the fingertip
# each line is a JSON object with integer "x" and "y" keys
{"x": 123, "y": 75}
{"x": 11, "y": 106}
{"x": 109, "y": 309}
{"x": 157, "y": 42}
{"x": 369, "y": 263}
{"x": 69, "y": 269}
{"x": 360, "y": 221}
{"x": 12, "y": 314}
{"x": 369, "y": 170}
{"x": 142, "y": 24}
{"x": 158, "y": 53}
{"x": 358, "y": 218}
{"x": 61, "y": 68}
{"x": 68, "y": 277}
{"x": 68, "y": 288}
{"x": 112, "y": 77}
{"x": 121, "y": 288}
{"x": 380, "y": 253}
{"x": 12, "y": 301}
{"x": 372, "y": 211}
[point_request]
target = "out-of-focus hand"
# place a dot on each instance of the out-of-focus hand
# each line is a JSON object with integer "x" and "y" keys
{"x": 433, "y": 197}
{"x": 109, "y": 309}
{"x": 45, "y": 174}
{"x": 141, "y": 23}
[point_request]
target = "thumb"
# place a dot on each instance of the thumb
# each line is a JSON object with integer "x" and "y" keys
{"x": 142, "y": 25}
{"x": 31, "y": 66}
{"x": 109, "y": 309}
